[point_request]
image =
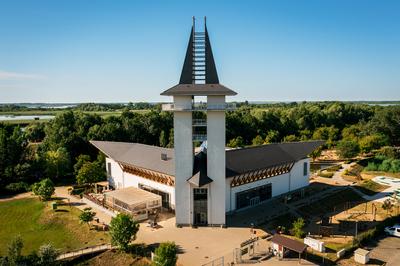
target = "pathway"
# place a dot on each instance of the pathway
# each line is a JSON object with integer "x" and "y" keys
{"x": 84, "y": 251}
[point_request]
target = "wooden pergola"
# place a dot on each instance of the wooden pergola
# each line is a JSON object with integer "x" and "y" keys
{"x": 148, "y": 174}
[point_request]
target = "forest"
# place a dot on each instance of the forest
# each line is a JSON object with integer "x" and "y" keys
{"x": 58, "y": 149}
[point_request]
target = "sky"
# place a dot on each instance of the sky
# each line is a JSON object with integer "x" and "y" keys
{"x": 130, "y": 51}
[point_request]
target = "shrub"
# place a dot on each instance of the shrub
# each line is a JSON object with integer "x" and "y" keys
{"x": 18, "y": 187}
{"x": 347, "y": 148}
{"x": 386, "y": 165}
{"x": 44, "y": 189}
{"x": 297, "y": 228}
{"x": 47, "y": 255}
{"x": 123, "y": 230}
{"x": 165, "y": 254}
{"x": 372, "y": 167}
{"x": 325, "y": 173}
{"x": 87, "y": 215}
{"x": 395, "y": 166}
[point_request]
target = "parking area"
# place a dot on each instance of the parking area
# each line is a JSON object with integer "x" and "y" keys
{"x": 386, "y": 249}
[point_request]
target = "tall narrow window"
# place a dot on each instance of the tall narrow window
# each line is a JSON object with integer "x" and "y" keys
{"x": 305, "y": 169}
{"x": 109, "y": 169}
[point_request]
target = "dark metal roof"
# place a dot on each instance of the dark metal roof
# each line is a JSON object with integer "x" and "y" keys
{"x": 199, "y": 90}
{"x": 140, "y": 155}
{"x": 289, "y": 243}
{"x": 200, "y": 177}
{"x": 238, "y": 161}
{"x": 199, "y": 73}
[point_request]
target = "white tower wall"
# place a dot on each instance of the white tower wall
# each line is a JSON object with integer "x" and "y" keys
{"x": 216, "y": 160}
{"x": 183, "y": 147}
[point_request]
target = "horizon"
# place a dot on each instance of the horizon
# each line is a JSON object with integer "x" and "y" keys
{"x": 107, "y": 52}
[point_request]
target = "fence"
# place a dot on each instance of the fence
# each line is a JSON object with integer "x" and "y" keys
{"x": 217, "y": 262}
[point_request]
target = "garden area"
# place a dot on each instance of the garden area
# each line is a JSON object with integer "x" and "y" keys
{"x": 38, "y": 224}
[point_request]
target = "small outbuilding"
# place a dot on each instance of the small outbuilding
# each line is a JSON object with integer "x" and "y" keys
{"x": 282, "y": 244}
{"x": 361, "y": 256}
{"x": 134, "y": 201}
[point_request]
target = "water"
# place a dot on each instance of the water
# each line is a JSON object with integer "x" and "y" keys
{"x": 24, "y": 117}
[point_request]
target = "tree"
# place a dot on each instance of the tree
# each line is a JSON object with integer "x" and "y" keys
{"x": 80, "y": 161}
{"x": 89, "y": 173}
{"x": 123, "y": 230}
{"x": 165, "y": 254}
{"x": 47, "y": 255}
{"x": 14, "y": 250}
{"x": 44, "y": 189}
{"x": 258, "y": 140}
{"x": 371, "y": 142}
{"x": 387, "y": 205}
{"x": 290, "y": 138}
{"x": 236, "y": 142}
{"x": 57, "y": 163}
{"x": 347, "y": 148}
{"x": 297, "y": 228}
{"x": 272, "y": 136}
{"x": 87, "y": 215}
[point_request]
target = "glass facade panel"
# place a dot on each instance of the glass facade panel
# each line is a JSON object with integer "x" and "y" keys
{"x": 253, "y": 196}
{"x": 200, "y": 206}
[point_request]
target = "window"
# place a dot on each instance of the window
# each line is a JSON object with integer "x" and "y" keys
{"x": 253, "y": 196}
{"x": 305, "y": 169}
{"x": 109, "y": 169}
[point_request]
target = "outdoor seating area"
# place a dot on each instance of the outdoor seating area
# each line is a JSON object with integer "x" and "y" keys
{"x": 135, "y": 201}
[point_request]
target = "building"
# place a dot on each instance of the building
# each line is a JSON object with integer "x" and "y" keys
{"x": 203, "y": 186}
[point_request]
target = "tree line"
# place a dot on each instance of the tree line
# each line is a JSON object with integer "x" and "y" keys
{"x": 51, "y": 150}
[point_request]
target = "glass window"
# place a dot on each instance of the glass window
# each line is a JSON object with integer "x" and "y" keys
{"x": 253, "y": 196}
{"x": 305, "y": 169}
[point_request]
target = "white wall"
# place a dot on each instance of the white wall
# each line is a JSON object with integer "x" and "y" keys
{"x": 216, "y": 162}
{"x": 280, "y": 184}
{"x": 183, "y": 147}
{"x": 130, "y": 180}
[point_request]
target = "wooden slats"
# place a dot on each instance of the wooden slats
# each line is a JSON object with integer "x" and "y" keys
{"x": 261, "y": 174}
{"x": 153, "y": 176}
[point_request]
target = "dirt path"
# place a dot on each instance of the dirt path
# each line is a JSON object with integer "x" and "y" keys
{"x": 18, "y": 196}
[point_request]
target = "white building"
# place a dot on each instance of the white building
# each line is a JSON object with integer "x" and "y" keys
{"x": 203, "y": 186}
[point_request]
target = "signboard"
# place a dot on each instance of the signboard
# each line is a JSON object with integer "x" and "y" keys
{"x": 314, "y": 244}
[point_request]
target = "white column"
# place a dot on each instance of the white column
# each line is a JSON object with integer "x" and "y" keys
{"x": 216, "y": 161}
{"x": 183, "y": 147}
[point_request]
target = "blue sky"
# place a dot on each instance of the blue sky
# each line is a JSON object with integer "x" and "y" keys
{"x": 120, "y": 51}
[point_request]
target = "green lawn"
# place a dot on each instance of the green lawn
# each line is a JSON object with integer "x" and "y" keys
{"x": 38, "y": 224}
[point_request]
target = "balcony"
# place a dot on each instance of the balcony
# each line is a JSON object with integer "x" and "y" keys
{"x": 199, "y": 137}
{"x": 199, "y": 122}
{"x": 199, "y": 107}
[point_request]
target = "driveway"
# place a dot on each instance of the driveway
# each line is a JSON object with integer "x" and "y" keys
{"x": 386, "y": 249}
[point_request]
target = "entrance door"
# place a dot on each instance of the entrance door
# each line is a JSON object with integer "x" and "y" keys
{"x": 254, "y": 201}
{"x": 200, "y": 206}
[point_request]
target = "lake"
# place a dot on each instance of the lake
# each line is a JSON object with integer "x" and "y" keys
{"x": 25, "y": 117}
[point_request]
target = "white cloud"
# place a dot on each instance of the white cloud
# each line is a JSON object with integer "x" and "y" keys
{"x": 6, "y": 75}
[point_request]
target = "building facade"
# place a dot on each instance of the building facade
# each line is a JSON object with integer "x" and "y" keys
{"x": 202, "y": 186}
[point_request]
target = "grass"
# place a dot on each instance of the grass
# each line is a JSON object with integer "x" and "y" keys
{"x": 370, "y": 187}
{"x": 37, "y": 224}
{"x": 331, "y": 203}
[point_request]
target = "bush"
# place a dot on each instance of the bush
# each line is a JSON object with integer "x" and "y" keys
{"x": 297, "y": 228}
{"x": 123, "y": 230}
{"x": 386, "y": 165}
{"x": 19, "y": 187}
{"x": 325, "y": 173}
{"x": 347, "y": 148}
{"x": 44, "y": 189}
{"x": 395, "y": 166}
{"x": 165, "y": 254}
{"x": 372, "y": 167}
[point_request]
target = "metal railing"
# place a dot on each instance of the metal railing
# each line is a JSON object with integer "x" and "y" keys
{"x": 199, "y": 107}
{"x": 199, "y": 137}
{"x": 199, "y": 122}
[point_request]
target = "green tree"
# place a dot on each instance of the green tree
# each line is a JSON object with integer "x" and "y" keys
{"x": 87, "y": 215}
{"x": 80, "y": 161}
{"x": 290, "y": 138}
{"x": 236, "y": 142}
{"x": 44, "y": 189}
{"x": 123, "y": 230}
{"x": 297, "y": 228}
{"x": 47, "y": 255}
{"x": 89, "y": 173}
{"x": 387, "y": 205}
{"x": 371, "y": 142}
{"x": 347, "y": 149}
{"x": 57, "y": 163}
{"x": 258, "y": 140}
{"x": 14, "y": 250}
{"x": 165, "y": 254}
{"x": 272, "y": 136}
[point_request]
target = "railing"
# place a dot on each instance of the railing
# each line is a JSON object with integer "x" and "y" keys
{"x": 199, "y": 122}
{"x": 199, "y": 137}
{"x": 199, "y": 107}
{"x": 84, "y": 251}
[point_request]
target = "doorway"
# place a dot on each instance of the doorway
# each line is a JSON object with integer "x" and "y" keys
{"x": 200, "y": 206}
